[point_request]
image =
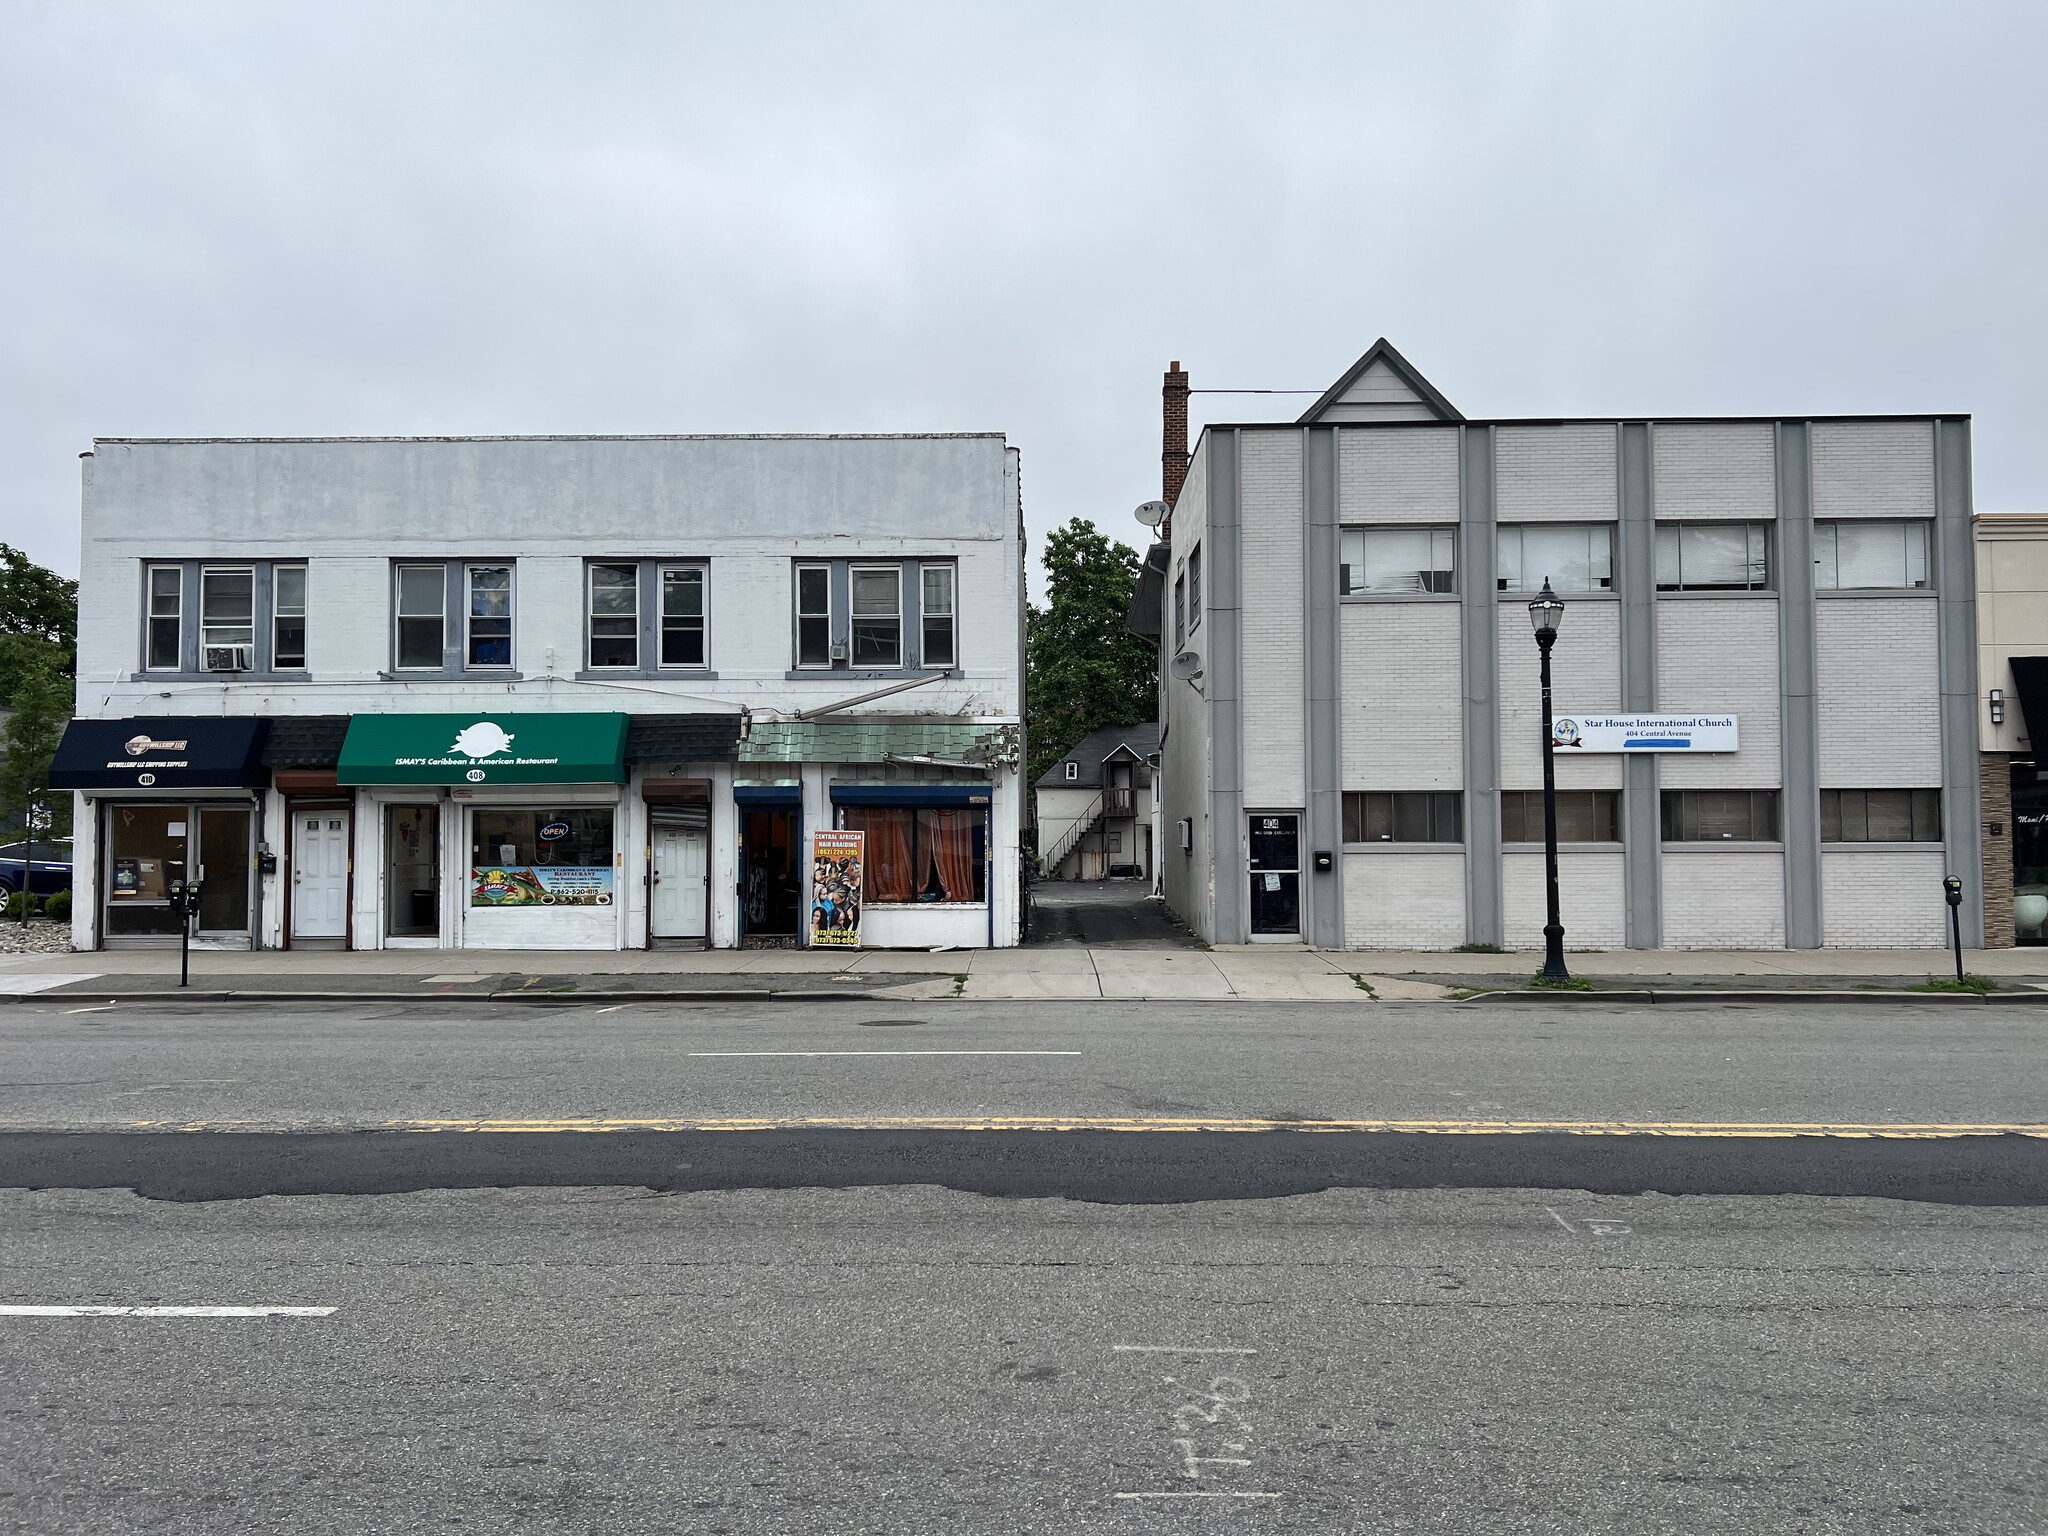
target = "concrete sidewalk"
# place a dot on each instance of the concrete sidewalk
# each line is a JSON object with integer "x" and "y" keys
{"x": 1057, "y": 973}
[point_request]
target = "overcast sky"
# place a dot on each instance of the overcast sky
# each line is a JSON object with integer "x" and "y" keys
{"x": 277, "y": 219}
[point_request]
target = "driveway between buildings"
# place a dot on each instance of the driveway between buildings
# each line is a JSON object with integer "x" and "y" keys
{"x": 1103, "y": 914}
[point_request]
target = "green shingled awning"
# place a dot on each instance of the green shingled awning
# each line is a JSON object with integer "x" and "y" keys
{"x": 849, "y": 741}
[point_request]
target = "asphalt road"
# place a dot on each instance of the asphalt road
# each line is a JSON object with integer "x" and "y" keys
{"x": 913, "y": 1360}
{"x": 909, "y": 1329}
{"x": 65, "y": 1064}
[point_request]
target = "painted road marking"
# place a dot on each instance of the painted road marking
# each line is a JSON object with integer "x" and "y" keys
{"x": 882, "y": 1053}
{"x": 1562, "y": 1222}
{"x": 1178, "y": 1349}
{"x": 1203, "y": 1494}
{"x": 1671, "y": 1129}
{"x": 19, "y": 1311}
{"x": 102, "y": 1008}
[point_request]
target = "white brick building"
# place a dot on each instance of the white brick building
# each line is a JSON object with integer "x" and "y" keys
{"x": 1351, "y": 745}
{"x": 546, "y": 692}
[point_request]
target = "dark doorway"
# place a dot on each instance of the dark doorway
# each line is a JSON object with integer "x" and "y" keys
{"x": 768, "y": 873}
{"x": 1276, "y": 873}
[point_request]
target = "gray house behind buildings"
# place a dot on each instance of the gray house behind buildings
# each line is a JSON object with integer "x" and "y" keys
{"x": 1351, "y": 747}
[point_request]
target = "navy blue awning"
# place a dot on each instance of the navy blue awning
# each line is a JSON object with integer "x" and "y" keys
{"x": 768, "y": 794}
{"x": 912, "y": 794}
{"x": 161, "y": 752}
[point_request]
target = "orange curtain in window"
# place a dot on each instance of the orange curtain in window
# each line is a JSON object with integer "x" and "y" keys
{"x": 889, "y": 873}
{"x": 948, "y": 838}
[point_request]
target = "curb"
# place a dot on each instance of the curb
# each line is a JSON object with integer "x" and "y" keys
{"x": 221, "y": 995}
{"x": 1721, "y": 995}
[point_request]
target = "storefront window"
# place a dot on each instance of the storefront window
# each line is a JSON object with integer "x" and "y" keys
{"x": 915, "y": 854}
{"x": 541, "y": 858}
{"x": 149, "y": 846}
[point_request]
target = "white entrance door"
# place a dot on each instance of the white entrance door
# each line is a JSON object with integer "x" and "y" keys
{"x": 681, "y": 869}
{"x": 319, "y": 874}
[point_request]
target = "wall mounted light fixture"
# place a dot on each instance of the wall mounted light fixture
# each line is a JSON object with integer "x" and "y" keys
{"x": 1998, "y": 706}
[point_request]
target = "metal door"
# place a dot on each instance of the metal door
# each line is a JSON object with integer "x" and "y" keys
{"x": 319, "y": 874}
{"x": 1275, "y": 865}
{"x": 682, "y": 868}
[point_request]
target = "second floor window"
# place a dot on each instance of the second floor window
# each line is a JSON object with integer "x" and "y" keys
{"x": 1195, "y": 588}
{"x": 1572, "y": 557}
{"x": 938, "y": 616}
{"x": 682, "y": 616}
{"x": 166, "y": 636}
{"x": 877, "y": 616}
{"x": 227, "y": 618}
{"x": 288, "y": 618}
{"x": 614, "y": 615}
{"x": 490, "y": 615}
{"x": 1713, "y": 557}
{"x": 1878, "y": 553}
{"x": 1180, "y": 610}
{"x": 422, "y": 617}
{"x": 1398, "y": 560}
{"x": 814, "y": 616}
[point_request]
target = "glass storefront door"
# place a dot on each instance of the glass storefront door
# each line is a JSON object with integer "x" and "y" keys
{"x": 412, "y": 871}
{"x": 149, "y": 846}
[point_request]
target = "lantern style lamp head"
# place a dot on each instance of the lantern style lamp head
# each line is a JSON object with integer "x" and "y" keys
{"x": 1545, "y": 612}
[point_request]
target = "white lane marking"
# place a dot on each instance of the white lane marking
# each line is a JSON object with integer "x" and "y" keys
{"x": 1205, "y": 1494}
{"x": 1179, "y": 1349}
{"x": 102, "y": 1008}
{"x": 615, "y": 1007}
{"x": 22, "y": 1311}
{"x": 884, "y": 1053}
{"x": 1562, "y": 1222}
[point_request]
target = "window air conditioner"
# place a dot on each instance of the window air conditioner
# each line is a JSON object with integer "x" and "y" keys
{"x": 838, "y": 650}
{"x": 228, "y": 658}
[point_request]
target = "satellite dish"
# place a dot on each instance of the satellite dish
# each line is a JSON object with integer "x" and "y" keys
{"x": 1188, "y": 664}
{"x": 1152, "y": 513}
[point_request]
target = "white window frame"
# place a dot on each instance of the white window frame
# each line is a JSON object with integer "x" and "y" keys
{"x": 824, "y": 569}
{"x": 591, "y": 615}
{"x": 399, "y": 614}
{"x": 1194, "y": 589}
{"x": 854, "y": 572}
{"x": 1073, "y": 771}
{"x": 279, "y": 613}
{"x": 151, "y": 617}
{"x": 208, "y": 628}
{"x": 702, "y": 572}
{"x": 951, "y": 616}
{"x": 470, "y": 615}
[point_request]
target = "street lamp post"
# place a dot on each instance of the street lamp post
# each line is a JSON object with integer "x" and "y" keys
{"x": 1544, "y": 614}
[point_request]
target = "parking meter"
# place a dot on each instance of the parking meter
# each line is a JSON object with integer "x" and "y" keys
{"x": 1953, "y": 889}
{"x": 185, "y": 903}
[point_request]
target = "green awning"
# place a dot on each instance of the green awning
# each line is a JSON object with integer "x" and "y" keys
{"x": 851, "y": 741}
{"x": 507, "y": 748}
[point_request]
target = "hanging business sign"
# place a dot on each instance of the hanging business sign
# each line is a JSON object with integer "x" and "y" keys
{"x": 1643, "y": 733}
{"x": 837, "y": 860}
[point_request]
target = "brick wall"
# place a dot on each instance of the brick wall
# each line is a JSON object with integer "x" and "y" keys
{"x": 1880, "y": 692}
{"x": 1404, "y": 476}
{"x": 1398, "y": 696}
{"x": 1882, "y": 898}
{"x": 1173, "y": 436}
{"x": 1713, "y": 654}
{"x": 1873, "y": 469}
{"x": 1995, "y": 779}
{"x": 1724, "y": 900}
{"x": 1404, "y": 900}
{"x": 1565, "y": 473}
{"x": 1722, "y": 470}
{"x": 1585, "y": 669}
{"x": 1274, "y": 690}
{"x": 1589, "y": 898}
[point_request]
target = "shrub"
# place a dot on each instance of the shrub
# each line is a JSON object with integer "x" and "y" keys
{"x": 58, "y": 908}
{"x": 14, "y": 904}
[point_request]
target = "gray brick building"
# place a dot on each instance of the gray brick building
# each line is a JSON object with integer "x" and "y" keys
{"x": 1351, "y": 750}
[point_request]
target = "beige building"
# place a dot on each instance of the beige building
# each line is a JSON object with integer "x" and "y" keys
{"x": 1096, "y": 810}
{"x": 2012, "y": 664}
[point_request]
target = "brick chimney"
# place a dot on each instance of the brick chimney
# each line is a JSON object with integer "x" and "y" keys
{"x": 1173, "y": 440}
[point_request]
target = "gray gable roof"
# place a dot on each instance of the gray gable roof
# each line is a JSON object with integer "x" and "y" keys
{"x": 1382, "y": 357}
{"x": 1141, "y": 741}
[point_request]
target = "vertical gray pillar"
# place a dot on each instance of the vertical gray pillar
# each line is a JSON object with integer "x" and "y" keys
{"x": 1642, "y": 827}
{"x": 1321, "y": 757}
{"x": 1955, "y": 585}
{"x": 1478, "y": 614}
{"x": 1798, "y": 692}
{"x": 1222, "y": 664}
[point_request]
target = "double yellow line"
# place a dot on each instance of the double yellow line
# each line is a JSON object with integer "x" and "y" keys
{"x": 1683, "y": 1129}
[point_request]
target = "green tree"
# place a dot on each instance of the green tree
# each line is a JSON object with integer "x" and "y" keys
{"x": 42, "y": 703}
{"x": 1086, "y": 669}
{"x": 38, "y": 622}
